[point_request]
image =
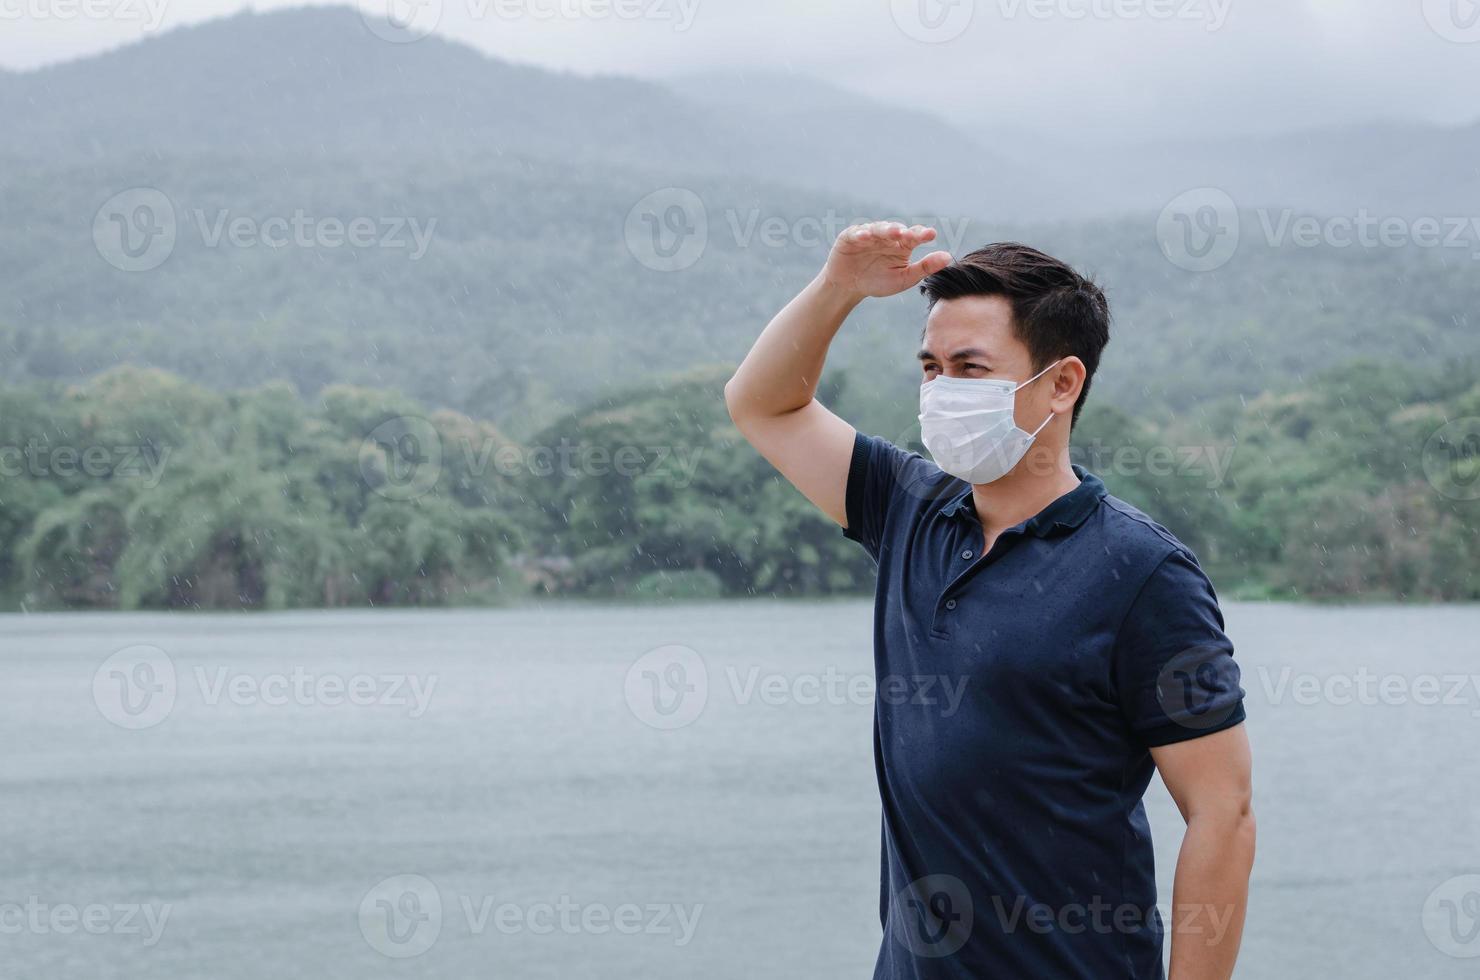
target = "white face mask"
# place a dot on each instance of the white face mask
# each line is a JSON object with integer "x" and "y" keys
{"x": 967, "y": 424}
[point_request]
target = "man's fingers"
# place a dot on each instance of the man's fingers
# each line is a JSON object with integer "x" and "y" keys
{"x": 887, "y": 233}
{"x": 929, "y": 265}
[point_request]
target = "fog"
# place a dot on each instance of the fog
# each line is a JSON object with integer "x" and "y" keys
{"x": 1075, "y": 70}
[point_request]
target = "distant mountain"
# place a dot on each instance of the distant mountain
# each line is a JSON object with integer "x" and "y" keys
{"x": 978, "y": 167}
{"x": 913, "y": 159}
{"x": 317, "y": 81}
{"x": 544, "y": 281}
{"x": 1387, "y": 169}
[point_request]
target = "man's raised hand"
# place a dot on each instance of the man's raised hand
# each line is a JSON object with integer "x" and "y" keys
{"x": 874, "y": 259}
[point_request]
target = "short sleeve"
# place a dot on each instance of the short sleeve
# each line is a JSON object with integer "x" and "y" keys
{"x": 877, "y": 473}
{"x": 1174, "y": 665}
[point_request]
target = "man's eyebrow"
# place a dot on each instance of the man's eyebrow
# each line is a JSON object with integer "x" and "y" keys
{"x": 965, "y": 354}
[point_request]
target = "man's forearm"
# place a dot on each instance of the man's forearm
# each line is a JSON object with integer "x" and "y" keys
{"x": 781, "y": 372}
{"x": 1211, "y": 894}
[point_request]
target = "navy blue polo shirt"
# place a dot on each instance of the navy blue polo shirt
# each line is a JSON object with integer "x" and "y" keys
{"x": 1019, "y": 695}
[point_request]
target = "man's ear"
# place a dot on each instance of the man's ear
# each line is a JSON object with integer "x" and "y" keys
{"x": 1068, "y": 381}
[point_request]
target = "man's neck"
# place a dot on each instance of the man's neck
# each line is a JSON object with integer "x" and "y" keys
{"x": 1043, "y": 476}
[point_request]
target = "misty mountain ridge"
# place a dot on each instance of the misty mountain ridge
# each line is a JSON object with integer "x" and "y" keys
{"x": 318, "y": 82}
{"x": 535, "y": 179}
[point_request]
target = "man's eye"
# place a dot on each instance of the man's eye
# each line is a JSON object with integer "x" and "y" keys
{"x": 931, "y": 370}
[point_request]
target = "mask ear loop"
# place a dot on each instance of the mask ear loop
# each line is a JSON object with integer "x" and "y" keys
{"x": 1051, "y": 415}
{"x": 1037, "y": 376}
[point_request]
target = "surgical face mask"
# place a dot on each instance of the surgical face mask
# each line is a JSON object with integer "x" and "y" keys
{"x": 967, "y": 424}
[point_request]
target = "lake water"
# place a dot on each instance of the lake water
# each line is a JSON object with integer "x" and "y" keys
{"x": 531, "y": 816}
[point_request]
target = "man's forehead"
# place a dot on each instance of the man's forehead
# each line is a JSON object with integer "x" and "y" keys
{"x": 982, "y": 323}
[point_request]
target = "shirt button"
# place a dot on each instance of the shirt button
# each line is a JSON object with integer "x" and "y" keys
{"x": 950, "y": 603}
{"x": 968, "y": 555}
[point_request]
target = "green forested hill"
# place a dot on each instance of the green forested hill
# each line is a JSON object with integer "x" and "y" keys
{"x": 530, "y": 292}
{"x": 138, "y": 489}
{"x": 542, "y": 260}
{"x": 534, "y": 193}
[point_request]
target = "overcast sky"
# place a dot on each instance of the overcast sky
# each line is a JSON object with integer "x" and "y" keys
{"x": 1106, "y": 67}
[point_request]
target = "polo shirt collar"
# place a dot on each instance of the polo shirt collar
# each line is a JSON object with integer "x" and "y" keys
{"x": 1064, "y": 514}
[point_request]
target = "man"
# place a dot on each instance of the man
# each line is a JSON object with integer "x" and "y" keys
{"x": 1091, "y": 646}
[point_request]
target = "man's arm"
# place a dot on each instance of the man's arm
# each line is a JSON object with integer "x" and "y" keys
{"x": 1210, "y": 779}
{"x": 772, "y": 397}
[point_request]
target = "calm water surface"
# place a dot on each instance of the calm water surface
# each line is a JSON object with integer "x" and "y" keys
{"x": 507, "y": 761}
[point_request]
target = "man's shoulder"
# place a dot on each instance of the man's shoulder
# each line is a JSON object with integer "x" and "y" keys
{"x": 920, "y": 484}
{"x": 1135, "y": 538}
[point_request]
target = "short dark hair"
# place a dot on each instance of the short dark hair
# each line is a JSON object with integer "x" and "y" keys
{"x": 1056, "y": 312}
